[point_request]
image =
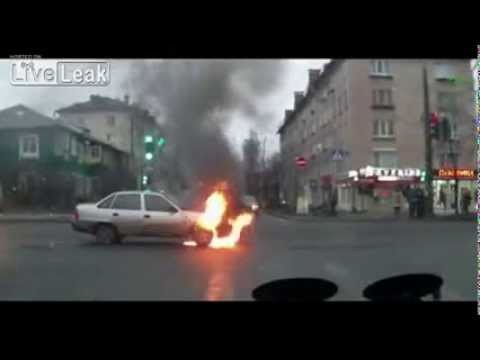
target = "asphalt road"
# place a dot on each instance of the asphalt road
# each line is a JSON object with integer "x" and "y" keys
{"x": 46, "y": 261}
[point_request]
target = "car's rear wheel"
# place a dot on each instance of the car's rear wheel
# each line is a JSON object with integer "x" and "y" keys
{"x": 106, "y": 234}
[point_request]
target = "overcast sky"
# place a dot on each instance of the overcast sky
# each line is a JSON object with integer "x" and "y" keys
{"x": 48, "y": 99}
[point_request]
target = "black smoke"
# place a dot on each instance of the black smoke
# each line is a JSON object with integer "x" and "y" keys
{"x": 197, "y": 99}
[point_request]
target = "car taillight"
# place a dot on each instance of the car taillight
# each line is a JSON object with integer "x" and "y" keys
{"x": 75, "y": 215}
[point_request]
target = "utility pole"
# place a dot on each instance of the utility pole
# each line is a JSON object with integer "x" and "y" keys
{"x": 428, "y": 145}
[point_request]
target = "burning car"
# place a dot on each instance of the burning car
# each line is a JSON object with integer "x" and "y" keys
{"x": 147, "y": 213}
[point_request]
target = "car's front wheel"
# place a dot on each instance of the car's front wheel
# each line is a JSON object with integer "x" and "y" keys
{"x": 202, "y": 237}
{"x": 106, "y": 234}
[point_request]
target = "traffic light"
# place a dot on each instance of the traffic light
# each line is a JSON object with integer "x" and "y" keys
{"x": 161, "y": 142}
{"x": 144, "y": 180}
{"x": 423, "y": 176}
{"x": 149, "y": 147}
{"x": 434, "y": 125}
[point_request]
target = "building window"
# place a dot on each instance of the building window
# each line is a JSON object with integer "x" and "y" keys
{"x": 383, "y": 128}
{"x": 111, "y": 120}
{"x": 386, "y": 158}
{"x": 29, "y": 147}
{"x": 379, "y": 67}
{"x": 382, "y": 97}
{"x": 95, "y": 152}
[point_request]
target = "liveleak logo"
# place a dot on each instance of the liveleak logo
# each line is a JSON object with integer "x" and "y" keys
{"x": 34, "y": 72}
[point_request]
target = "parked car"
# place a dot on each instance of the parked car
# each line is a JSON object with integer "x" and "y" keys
{"x": 251, "y": 203}
{"x": 138, "y": 213}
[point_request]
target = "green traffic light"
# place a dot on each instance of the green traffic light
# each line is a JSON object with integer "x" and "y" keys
{"x": 148, "y": 138}
{"x": 149, "y": 156}
{"x": 161, "y": 142}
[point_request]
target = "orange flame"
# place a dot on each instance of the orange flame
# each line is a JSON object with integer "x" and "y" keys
{"x": 216, "y": 206}
{"x": 211, "y": 218}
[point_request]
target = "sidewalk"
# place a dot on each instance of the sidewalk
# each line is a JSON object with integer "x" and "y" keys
{"x": 35, "y": 217}
{"x": 365, "y": 217}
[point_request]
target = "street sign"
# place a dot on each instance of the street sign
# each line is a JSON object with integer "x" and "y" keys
{"x": 301, "y": 161}
{"x": 337, "y": 155}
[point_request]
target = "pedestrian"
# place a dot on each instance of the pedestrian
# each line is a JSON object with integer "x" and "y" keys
{"x": 333, "y": 202}
{"x": 397, "y": 201}
{"x": 412, "y": 201}
{"x": 466, "y": 200}
{"x": 420, "y": 200}
{"x": 442, "y": 199}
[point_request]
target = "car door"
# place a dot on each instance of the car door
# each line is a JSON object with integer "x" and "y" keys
{"x": 127, "y": 214}
{"x": 162, "y": 218}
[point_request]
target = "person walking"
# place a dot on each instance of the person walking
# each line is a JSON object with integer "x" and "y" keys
{"x": 466, "y": 200}
{"x": 420, "y": 200}
{"x": 333, "y": 202}
{"x": 412, "y": 201}
{"x": 442, "y": 199}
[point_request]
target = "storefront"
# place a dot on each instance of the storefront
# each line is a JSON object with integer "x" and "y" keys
{"x": 444, "y": 179}
{"x": 372, "y": 188}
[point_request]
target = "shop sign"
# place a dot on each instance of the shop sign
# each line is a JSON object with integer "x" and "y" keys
{"x": 445, "y": 173}
{"x": 384, "y": 174}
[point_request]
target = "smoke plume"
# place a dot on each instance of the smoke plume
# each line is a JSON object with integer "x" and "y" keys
{"x": 197, "y": 99}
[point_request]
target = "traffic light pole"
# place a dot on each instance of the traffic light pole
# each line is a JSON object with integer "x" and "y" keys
{"x": 428, "y": 146}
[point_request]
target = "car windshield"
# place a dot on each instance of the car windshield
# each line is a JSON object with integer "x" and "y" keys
{"x": 342, "y": 171}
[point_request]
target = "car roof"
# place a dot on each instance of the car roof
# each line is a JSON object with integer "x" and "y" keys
{"x": 138, "y": 192}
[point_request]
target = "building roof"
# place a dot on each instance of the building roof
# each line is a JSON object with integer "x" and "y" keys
{"x": 96, "y": 103}
{"x": 102, "y": 103}
{"x": 22, "y": 117}
{"x": 328, "y": 69}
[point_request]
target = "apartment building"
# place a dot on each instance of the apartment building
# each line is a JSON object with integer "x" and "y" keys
{"x": 360, "y": 125}
{"x": 116, "y": 122}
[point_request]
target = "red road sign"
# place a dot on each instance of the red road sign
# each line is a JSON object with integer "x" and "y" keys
{"x": 301, "y": 161}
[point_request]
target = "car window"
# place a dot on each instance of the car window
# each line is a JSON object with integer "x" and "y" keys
{"x": 127, "y": 202}
{"x": 107, "y": 203}
{"x": 157, "y": 203}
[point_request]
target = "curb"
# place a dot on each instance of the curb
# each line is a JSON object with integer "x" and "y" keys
{"x": 50, "y": 219}
{"x": 386, "y": 219}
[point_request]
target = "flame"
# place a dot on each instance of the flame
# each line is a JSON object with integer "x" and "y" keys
{"x": 216, "y": 206}
{"x": 189, "y": 243}
{"x": 231, "y": 239}
{"x": 211, "y": 218}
